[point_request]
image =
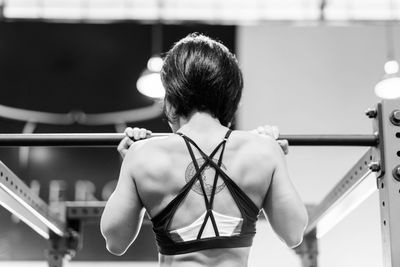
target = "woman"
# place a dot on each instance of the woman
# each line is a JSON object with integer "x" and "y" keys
{"x": 204, "y": 186}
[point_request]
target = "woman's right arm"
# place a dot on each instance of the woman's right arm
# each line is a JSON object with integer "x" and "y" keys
{"x": 282, "y": 204}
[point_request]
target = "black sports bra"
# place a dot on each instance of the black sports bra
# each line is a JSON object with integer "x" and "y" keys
{"x": 169, "y": 245}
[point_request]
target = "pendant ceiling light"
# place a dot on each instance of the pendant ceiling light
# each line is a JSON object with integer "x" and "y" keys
{"x": 389, "y": 86}
{"x": 149, "y": 82}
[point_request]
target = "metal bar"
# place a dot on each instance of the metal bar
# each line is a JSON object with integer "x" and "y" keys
{"x": 331, "y": 140}
{"x": 358, "y": 183}
{"x": 112, "y": 139}
{"x": 17, "y": 197}
{"x": 388, "y": 123}
{"x": 85, "y": 211}
{"x": 69, "y": 139}
{"x": 89, "y": 211}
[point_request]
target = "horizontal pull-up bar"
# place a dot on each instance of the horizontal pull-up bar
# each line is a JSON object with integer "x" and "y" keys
{"x": 112, "y": 139}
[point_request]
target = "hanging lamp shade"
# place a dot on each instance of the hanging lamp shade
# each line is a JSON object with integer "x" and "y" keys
{"x": 389, "y": 86}
{"x": 149, "y": 82}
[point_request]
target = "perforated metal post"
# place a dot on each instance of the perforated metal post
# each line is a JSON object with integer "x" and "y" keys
{"x": 56, "y": 254}
{"x": 62, "y": 248}
{"x": 308, "y": 249}
{"x": 387, "y": 123}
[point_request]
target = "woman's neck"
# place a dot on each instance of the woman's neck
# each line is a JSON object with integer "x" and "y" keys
{"x": 198, "y": 122}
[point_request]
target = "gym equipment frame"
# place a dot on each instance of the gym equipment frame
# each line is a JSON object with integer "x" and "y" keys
{"x": 378, "y": 169}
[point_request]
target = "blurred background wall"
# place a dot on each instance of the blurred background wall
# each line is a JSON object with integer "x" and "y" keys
{"x": 316, "y": 80}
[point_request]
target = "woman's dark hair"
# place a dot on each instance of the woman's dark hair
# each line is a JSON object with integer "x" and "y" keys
{"x": 200, "y": 74}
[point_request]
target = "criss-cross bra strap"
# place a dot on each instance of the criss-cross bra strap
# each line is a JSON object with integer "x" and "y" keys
{"x": 214, "y": 187}
{"x": 170, "y": 209}
{"x": 196, "y": 166}
{"x": 237, "y": 193}
{"x": 207, "y": 161}
{"x": 234, "y": 189}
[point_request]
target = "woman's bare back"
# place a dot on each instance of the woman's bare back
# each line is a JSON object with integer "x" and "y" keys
{"x": 245, "y": 161}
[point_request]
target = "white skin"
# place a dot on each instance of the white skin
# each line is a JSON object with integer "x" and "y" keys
{"x": 151, "y": 175}
{"x": 136, "y": 134}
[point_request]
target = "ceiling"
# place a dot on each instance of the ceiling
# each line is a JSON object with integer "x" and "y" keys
{"x": 208, "y": 11}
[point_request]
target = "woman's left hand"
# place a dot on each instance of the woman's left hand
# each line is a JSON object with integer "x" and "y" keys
{"x": 273, "y": 131}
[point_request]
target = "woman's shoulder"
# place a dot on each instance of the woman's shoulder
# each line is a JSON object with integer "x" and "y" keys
{"x": 259, "y": 143}
{"x": 154, "y": 145}
{"x": 153, "y": 154}
{"x": 252, "y": 149}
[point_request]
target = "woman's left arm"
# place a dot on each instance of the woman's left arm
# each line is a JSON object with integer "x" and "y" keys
{"x": 123, "y": 213}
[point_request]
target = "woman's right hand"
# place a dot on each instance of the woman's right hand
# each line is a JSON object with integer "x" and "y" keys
{"x": 131, "y": 136}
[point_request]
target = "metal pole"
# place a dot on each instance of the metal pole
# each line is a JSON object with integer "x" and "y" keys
{"x": 19, "y": 199}
{"x": 308, "y": 250}
{"x": 346, "y": 195}
{"x": 112, "y": 139}
{"x": 331, "y": 140}
{"x": 388, "y": 124}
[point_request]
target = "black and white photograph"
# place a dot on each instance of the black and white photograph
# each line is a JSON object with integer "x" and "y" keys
{"x": 199, "y": 133}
